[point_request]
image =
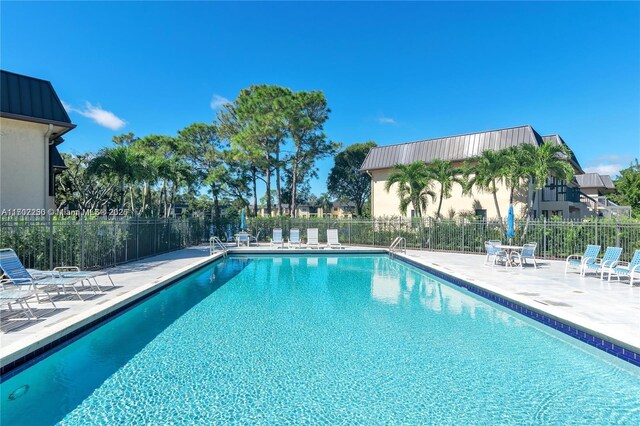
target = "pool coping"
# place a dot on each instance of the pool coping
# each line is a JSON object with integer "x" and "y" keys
{"x": 575, "y": 327}
{"x": 31, "y": 347}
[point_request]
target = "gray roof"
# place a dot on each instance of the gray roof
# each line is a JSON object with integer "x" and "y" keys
{"x": 31, "y": 99}
{"x": 595, "y": 180}
{"x": 452, "y": 148}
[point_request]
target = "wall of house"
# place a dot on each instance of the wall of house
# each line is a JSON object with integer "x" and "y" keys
{"x": 388, "y": 203}
{"x": 22, "y": 165}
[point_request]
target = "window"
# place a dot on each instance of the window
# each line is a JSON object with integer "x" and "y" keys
{"x": 481, "y": 214}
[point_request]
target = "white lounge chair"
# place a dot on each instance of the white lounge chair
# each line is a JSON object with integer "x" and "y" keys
{"x": 631, "y": 269}
{"x": 609, "y": 260}
{"x": 15, "y": 272}
{"x": 312, "y": 238}
{"x": 294, "y": 238}
{"x": 276, "y": 239}
{"x": 332, "y": 239}
{"x": 577, "y": 261}
{"x": 13, "y": 294}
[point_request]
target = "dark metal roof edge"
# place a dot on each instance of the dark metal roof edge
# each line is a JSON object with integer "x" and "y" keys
{"x": 37, "y": 120}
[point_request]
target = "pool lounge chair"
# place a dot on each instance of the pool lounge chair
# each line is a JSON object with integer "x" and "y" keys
{"x": 631, "y": 269}
{"x": 312, "y": 238}
{"x": 609, "y": 260}
{"x": 45, "y": 281}
{"x": 276, "y": 239}
{"x": 76, "y": 272}
{"x": 9, "y": 296}
{"x": 294, "y": 238}
{"x": 495, "y": 252}
{"x": 332, "y": 239}
{"x": 528, "y": 252}
{"x": 576, "y": 260}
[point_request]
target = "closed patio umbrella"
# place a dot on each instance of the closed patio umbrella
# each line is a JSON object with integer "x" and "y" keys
{"x": 242, "y": 220}
{"x": 511, "y": 232}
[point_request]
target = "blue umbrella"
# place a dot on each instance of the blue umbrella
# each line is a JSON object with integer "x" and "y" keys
{"x": 511, "y": 232}
{"x": 242, "y": 220}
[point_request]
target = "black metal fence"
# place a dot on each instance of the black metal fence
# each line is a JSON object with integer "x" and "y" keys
{"x": 93, "y": 243}
{"x": 556, "y": 238}
{"x": 44, "y": 242}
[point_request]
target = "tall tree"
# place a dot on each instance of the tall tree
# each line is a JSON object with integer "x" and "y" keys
{"x": 121, "y": 163}
{"x": 79, "y": 190}
{"x": 414, "y": 186}
{"x": 305, "y": 114}
{"x": 203, "y": 148}
{"x": 345, "y": 178}
{"x": 628, "y": 188}
{"x": 486, "y": 172}
{"x": 446, "y": 175}
{"x": 254, "y": 123}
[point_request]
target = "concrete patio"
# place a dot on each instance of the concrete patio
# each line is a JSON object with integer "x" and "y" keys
{"x": 607, "y": 309}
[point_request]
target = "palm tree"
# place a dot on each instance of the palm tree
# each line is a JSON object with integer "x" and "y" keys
{"x": 446, "y": 175}
{"x": 414, "y": 186}
{"x": 121, "y": 163}
{"x": 550, "y": 159}
{"x": 485, "y": 172}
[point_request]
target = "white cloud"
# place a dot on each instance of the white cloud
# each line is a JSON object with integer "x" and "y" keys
{"x": 387, "y": 120}
{"x": 609, "y": 164}
{"x": 66, "y": 106}
{"x": 217, "y": 101}
{"x": 96, "y": 113}
{"x": 606, "y": 169}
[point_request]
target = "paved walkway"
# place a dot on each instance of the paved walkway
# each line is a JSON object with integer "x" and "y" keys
{"x": 608, "y": 308}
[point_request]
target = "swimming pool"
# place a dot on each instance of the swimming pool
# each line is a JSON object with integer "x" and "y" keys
{"x": 324, "y": 339}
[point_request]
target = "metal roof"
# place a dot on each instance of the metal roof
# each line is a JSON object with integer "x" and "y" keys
{"x": 31, "y": 99}
{"x": 56, "y": 160}
{"x": 595, "y": 180}
{"x": 452, "y": 148}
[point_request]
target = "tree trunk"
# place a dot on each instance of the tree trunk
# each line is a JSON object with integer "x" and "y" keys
{"x": 216, "y": 210}
{"x": 278, "y": 191}
{"x": 494, "y": 191}
{"x": 133, "y": 208}
{"x": 254, "y": 180}
{"x": 267, "y": 183}
{"x": 294, "y": 182}
{"x": 440, "y": 202}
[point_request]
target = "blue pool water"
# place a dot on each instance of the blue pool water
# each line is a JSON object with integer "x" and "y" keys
{"x": 346, "y": 339}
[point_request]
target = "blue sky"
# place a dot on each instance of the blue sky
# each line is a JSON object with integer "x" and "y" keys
{"x": 392, "y": 72}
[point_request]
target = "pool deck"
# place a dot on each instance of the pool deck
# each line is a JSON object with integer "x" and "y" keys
{"x": 610, "y": 310}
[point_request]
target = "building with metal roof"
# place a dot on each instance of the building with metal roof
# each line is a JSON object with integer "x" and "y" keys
{"x": 559, "y": 198}
{"x": 32, "y": 121}
{"x": 456, "y": 148}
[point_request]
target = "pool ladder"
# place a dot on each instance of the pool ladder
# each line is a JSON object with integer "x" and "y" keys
{"x": 399, "y": 244}
{"x": 215, "y": 241}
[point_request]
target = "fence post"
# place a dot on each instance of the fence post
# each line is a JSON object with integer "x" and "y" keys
{"x": 544, "y": 238}
{"x": 374, "y": 232}
{"x": 596, "y": 222}
{"x": 82, "y": 241}
{"x": 463, "y": 234}
{"x": 137, "y": 238}
{"x": 50, "y": 242}
{"x": 617, "y": 233}
{"x": 350, "y": 221}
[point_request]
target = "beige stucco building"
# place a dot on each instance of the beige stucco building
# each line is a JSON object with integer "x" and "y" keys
{"x": 32, "y": 121}
{"x": 558, "y": 198}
